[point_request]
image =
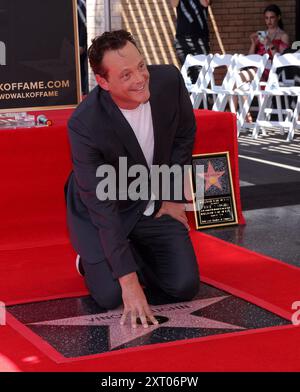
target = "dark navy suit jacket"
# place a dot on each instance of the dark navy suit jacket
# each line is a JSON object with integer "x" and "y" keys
{"x": 99, "y": 134}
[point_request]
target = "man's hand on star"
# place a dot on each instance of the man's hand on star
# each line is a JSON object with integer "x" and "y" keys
{"x": 135, "y": 302}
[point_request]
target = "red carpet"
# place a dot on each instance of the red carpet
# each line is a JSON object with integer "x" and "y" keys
{"x": 36, "y": 262}
{"x": 270, "y": 349}
{"x": 262, "y": 280}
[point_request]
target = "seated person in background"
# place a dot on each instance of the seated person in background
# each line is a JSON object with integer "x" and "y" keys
{"x": 271, "y": 41}
{"x": 274, "y": 39}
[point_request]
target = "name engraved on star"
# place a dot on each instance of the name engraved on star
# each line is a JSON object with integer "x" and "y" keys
{"x": 110, "y": 317}
{"x": 157, "y": 310}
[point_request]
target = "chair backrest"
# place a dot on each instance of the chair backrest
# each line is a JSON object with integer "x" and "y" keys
{"x": 199, "y": 60}
{"x": 281, "y": 61}
{"x": 232, "y": 79}
{"x": 218, "y": 60}
{"x": 254, "y": 61}
{"x": 206, "y": 80}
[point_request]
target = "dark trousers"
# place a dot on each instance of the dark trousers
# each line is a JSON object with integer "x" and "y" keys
{"x": 166, "y": 259}
{"x": 185, "y": 45}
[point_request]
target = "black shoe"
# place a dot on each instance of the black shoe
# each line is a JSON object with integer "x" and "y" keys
{"x": 79, "y": 266}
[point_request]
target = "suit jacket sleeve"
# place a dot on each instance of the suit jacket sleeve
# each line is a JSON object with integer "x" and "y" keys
{"x": 186, "y": 130}
{"x": 104, "y": 214}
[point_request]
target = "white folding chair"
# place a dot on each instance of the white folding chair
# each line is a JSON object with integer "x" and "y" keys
{"x": 275, "y": 88}
{"x": 246, "y": 92}
{"x": 209, "y": 86}
{"x": 225, "y": 91}
{"x": 202, "y": 61}
{"x": 243, "y": 92}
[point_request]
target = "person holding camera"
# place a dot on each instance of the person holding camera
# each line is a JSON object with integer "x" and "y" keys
{"x": 271, "y": 41}
{"x": 274, "y": 39}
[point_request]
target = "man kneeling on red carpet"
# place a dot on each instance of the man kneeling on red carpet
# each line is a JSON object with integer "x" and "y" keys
{"x": 141, "y": 115}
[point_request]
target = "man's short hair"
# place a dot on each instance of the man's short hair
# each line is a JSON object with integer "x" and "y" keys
{"x": 110, "y": 40}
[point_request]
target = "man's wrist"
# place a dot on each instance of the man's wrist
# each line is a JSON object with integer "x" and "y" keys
{"x": 128, "y": 279}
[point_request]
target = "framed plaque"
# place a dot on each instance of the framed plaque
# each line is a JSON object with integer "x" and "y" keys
{"x": 216, "y": 206}
{"x": 39, "y": 55}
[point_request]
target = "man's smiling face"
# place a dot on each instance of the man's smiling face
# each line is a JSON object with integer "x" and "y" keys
{"x": 127, "y": 77}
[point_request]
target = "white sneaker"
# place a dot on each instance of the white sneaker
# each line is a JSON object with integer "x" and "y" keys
{"x": 79, "y": 266}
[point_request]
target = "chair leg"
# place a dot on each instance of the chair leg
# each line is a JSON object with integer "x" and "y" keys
{"x": 260, "y": 117}
{"x": 255, "y": 131}
{"x": 232, "y": 104}
{"x": 205, "y": 101}
{"x": 196, "y": 99}
{"x": 220, "y": 104}
{"x": 243, "y": 109}
{"x": 293, "y": 125}
{"x": 279, "y": 108}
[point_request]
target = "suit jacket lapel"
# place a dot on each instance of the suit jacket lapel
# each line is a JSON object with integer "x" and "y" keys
{"x": 158, "y": 115}
{"x": 123, "y": 130}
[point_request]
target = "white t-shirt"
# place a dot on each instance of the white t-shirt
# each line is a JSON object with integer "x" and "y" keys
{"x": 140, "y": 120}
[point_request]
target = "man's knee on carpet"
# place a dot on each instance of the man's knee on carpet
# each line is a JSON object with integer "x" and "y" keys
{"x": 104, "y": 289}
{"x": 183, "y": 287}
{"x": 108, "y": 299}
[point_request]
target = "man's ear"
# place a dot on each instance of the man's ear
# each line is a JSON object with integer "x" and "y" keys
{"x": 103, "y": 83}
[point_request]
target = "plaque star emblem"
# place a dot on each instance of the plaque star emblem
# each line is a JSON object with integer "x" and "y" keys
{"x": 211, "y": 177}
{"x": 178, "y": 314}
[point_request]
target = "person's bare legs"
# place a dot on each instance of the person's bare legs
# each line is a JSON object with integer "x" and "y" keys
{"x": 245, "y": 78}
